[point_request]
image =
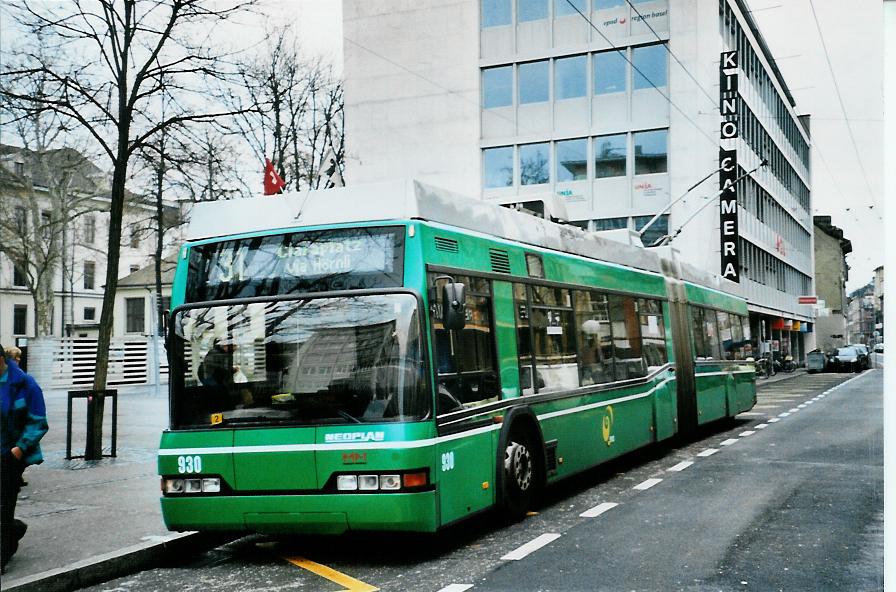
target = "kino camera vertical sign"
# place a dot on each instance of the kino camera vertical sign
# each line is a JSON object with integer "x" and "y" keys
{"x": 730, "y": 261}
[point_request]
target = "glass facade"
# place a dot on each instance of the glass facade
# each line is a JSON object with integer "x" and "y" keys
{"x": 531, "y": 10}
{"x": 534, "y": 163}
{"x": 498, "y": 166}
{"x": 651, "y": 149}
{"x": 610, "y": 156}
{"x": 570, "y": 77}
{"x": 495, "y": 13}
{"x": 609, "y": 72}
{"x": 651, "y": 65}
{"x": 497, "y": 87}
{"x": 534, "y": 82}
{"x": 572, "y": 160}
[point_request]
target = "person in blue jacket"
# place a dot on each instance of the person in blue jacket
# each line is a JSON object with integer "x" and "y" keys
{"x": 23, "y": 424}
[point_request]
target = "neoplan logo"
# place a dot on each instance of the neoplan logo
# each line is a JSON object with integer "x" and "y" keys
{"x": 355, "y": 437}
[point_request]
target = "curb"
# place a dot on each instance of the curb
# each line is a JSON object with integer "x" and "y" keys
{"x": 116, "y": 564}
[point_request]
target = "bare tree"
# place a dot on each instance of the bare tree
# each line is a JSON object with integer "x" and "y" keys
{"x": 52, "y": 189}
{"x": 291, "y": 109}
{"x": 113, "y": 58}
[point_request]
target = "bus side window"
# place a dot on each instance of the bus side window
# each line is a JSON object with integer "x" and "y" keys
{"x": 711, "y": 334}
{"x": 626, "y": 337}
{"x": 465, "y": 359}
{"x": 725, "y": 335}
{"x": 594, "y": 338}
{"x": 653, "y": 333}
{"x": 697, "y": 332}
{"x": 554, "y": 338}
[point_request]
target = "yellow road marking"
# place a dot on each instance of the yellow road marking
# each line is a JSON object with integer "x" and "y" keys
{"x": 350, "y": 583}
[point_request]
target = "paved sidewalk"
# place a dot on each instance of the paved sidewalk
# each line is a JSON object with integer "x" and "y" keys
{"x": 77, "y": 510}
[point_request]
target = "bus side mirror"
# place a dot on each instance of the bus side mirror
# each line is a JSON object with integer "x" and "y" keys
{"x": 454, "y": 298}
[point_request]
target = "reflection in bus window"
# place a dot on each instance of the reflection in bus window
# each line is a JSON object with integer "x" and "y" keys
{"x": 594, "y": 338}
{"x": 528, "y": 381}
{"x": 465, "y": 359}
{"x": 626, "y": 337}
{"x": 697, "y": 332}
{"x": 555, "y": 349}
{"x": 725, "y": 335}
{"x": 711, "y": 335}
{"x": 653, "y": 333}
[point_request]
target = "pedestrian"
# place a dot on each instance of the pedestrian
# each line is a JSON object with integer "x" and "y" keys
{"x": 22, "y": 425}
{"x": 14, "y": 353}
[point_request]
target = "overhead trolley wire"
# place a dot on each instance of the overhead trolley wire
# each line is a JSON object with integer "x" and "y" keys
{"x": 852, "y": 137}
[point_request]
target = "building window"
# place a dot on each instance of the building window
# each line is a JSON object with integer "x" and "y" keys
{"x": 20, "y": 169}
{"x": 534, "y": 164}
{"x": 46, "y": 224}
{"x": 20, "y": 319}
{"x": 609, "y": 156}
{"x": 609, "y": 72}
{"x": 21, "y": 218}
{"x": 497, "y": 87}
{"x": 134, "y": 268}
{"x": 531, "y": 10}
{"x": 89, "y": 273}
{"x": 569, "y": 77}
{"x": 572, "y": 160}
{"x": 604, "y": 4}
{"x": 610, "y": 223}
{"x": 565, "y": 7}
{"x": 89, "y": 230}
{"x": 498, "y": 166}
{"x": 89, "y": 313}
{"x": 134, "y": 308}
{"x": 657, "y": 230}
{"x": 19, "y": 278}
{"x": 651, "y": 149}
{"x": 650, "y": 61}
{"x": 533, "y": 82}
{"x": 495, "y": 13}
{"x": 135, "y": 236}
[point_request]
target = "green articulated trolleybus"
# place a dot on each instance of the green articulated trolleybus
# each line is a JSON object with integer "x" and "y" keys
{"x": 398, "y": 357}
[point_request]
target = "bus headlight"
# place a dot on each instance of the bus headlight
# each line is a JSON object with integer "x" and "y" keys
{"x": 174, "y": 485}
{"x": 388, "y": 482}
{"x": 193, "y": 486}
{"x": 368, "y": 482}
{"x": 347, "y": 482}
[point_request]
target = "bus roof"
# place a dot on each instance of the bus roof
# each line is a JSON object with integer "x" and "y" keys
{"x": 413, "y": 200}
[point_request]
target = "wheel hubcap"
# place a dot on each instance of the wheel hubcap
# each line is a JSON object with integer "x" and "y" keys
{"x": 518, "y": 465}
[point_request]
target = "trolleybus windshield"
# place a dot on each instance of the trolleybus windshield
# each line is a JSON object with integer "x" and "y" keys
{"x": 299, "y": 362}
{"x": 309, "y": 261}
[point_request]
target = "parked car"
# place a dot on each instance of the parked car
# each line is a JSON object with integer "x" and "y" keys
{"x": 879, "y": 348}
{"x": 864, "y": 359}
{"x": 845, "y": 359}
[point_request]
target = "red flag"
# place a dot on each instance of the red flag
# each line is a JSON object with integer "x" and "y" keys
{"x": 273, "y": 183}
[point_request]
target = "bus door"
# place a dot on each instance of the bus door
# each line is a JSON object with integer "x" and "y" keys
{"x": 466, "y": 380}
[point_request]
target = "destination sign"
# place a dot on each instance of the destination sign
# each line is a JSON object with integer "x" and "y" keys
{"x": 325, "y": 260}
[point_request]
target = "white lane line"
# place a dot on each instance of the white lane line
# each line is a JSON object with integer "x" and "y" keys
{"x": 681, "y": 466}
{"x": 822, "y": 395}
{"x": 752, "y": 413}
{"x": 747, "y": 433}
{"x": 598, "y": 510}
{"x": 708, "y": 452}
{"x": 532, "y": 546}
{"x": 765, "y": 406}
{"x": 774, "y": 420}
{"x": 809, "y": 402}
{"x": 646, "y": 484}
{"x": 785, "y": 414}
{"x": 802, "y": 405}
{"x": 761, "y": 426}
{"x": 456, "y": 587}
{"x": 794, "y": 409}
{"x": 728, "y": 442}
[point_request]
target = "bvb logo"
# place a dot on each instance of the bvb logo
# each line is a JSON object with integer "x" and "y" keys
{"x": 607, "y": 426}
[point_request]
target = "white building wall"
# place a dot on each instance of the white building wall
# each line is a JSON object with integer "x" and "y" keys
{"x": 412, "y": 92}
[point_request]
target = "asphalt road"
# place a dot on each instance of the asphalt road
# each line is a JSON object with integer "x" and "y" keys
{"x": 790, "y": 499}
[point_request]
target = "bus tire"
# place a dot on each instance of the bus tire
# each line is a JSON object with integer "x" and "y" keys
{"x": 521, "y": 474}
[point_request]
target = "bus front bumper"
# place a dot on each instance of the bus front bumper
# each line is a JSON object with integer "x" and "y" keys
{"x": 311, "y": 514}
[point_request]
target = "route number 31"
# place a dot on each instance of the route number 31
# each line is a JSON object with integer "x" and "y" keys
{"x": 447, "y": 461}
{"x": 189, "y": 464}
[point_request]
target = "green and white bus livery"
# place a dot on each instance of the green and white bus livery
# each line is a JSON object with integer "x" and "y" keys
{"x": 397, "y": 357}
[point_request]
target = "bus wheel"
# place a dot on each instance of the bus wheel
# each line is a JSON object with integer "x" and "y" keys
{"x": 520, "y": 475}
